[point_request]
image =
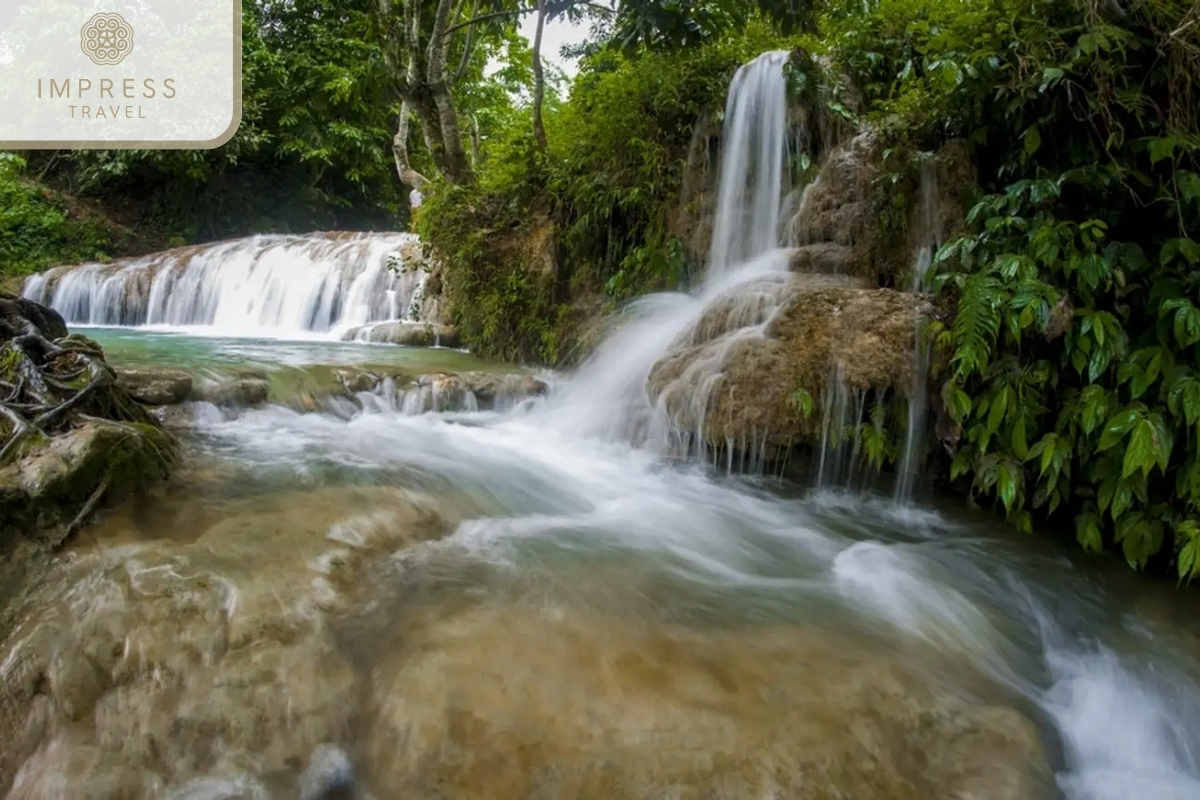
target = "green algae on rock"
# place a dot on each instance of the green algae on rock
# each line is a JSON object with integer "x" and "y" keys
{"x": 71, "y": 437}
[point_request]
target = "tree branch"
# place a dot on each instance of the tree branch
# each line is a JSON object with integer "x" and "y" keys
{"x": 486, "y": 17}
{"x": 468, "y": 48}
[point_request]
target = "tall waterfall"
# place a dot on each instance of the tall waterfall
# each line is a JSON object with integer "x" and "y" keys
{"x": 746, "y": 275}
{"x": 262, "y": 285}
{"x": 753, "y": 157}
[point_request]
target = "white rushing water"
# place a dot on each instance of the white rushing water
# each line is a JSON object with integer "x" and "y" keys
{"x": 753, "y": 158}
{"x": 263, "y": 285}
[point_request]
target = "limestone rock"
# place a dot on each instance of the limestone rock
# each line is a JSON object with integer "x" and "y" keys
{"x": 155, "y": 386}
{"x": 734, "y": 382}
{"x": 240, "y": 391}
{"x": 828, "y": 258}
{"x": 468, "y": 391}
{"x": 410, "y": 334}
{"x": 207, "y": 663}
{"x": 356, "y": 380}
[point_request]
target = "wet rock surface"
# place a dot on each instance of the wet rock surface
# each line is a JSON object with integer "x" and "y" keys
{"x": 410, "y": 334}
{"x": 155, "y": 386}
{"x": 317, "y": 644}
{"x": 734, "y": 375}
{"x": 232, "y": 391}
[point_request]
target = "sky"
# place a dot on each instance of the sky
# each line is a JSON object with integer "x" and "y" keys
{"x": 556, "y": 34}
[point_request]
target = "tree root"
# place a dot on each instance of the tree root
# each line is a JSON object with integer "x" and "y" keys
{"x": 88, "y": 507}
{"x": 52, "y": 381}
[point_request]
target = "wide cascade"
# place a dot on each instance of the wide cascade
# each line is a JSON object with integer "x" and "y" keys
{"x": 262, "y": 285}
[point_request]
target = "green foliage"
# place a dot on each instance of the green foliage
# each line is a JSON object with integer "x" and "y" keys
{"x": 1070, "y": 358}
{"x": 539, "y": 235}
{"x": 313, "y": 150}
{"x": 39, "y": 229}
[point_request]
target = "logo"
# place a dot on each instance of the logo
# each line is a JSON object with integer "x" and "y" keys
{"x": 106, "y": 39}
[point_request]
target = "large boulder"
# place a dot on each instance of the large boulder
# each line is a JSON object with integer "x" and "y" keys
{"x": 735, "y": 378}
{"x": 208, "y": 651}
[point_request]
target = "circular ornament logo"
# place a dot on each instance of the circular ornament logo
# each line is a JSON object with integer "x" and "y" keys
{"x": 106, "y": 39}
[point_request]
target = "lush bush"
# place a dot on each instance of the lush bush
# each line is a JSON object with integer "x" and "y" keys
{"x": 39, "y": 229}
{"x": 542, "y": 236}
{"x": 1070, "y": 346}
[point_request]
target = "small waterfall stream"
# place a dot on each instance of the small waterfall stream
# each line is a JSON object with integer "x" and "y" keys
{"x": 264, "y": 285}
{"x": 918, "y": 398}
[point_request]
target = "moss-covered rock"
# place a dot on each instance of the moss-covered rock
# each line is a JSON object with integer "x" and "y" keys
{"x": 44, "y": 491}
{"x": 72, "y": 438}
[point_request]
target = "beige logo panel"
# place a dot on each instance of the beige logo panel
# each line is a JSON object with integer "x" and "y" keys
{"x": 119, "y": 73}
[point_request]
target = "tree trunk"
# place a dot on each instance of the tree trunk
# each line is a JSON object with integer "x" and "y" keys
{"x": 458, "y": 169}
{"x": 539, "y": 78}
{"x": 408, "y": 175}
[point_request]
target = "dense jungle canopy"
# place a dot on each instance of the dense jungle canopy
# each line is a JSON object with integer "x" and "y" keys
{"x": 1068, "y": 327}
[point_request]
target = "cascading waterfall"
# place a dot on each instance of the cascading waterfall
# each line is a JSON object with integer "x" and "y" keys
{"x": 753, "y": 158}
{"x": 262, "y": 285}
{"x": 746, "y": 278}
{"x": 918, "y": 400}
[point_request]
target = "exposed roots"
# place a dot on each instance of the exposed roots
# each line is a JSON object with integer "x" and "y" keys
{"x": 45, "y": 383}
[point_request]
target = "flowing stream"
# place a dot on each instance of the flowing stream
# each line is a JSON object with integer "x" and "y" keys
{"x": 548, "y": 603}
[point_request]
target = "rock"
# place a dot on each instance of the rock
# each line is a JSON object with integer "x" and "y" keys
{"x": 972, "y": 755}
{"x": 155, "y": 386}
{"x": 232, "y": 391}
{"x": 17, "y": 312}
{"x": 736, "y": 383}
{"x": 329, "y": 776}
{"x": 823, "y": 257}
{"x": 207, "y": 661}
{"x": 466, "y": 391}
{"x": 46, "y": 488}
{"x": 410, "y": 334}
{"x": 504, "y": 701}
{"x": 836, "y": 207}
{"x": 356, "y": 380}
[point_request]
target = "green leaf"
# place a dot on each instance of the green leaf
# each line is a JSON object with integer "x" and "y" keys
{"x": 1187, "y": 540}
{"x": 999, "y": 407}
{"x": 1189, "y": 184}
{"x": 1087, "y": 532}
{"x": 1020, "y": 445}
{"x": 1033, "y": 140}
{"x": 1162, "y": 148}
{"x": 1143, "y": 450}
{"x": 1050, "y": 76}
{"x": 1118, "y": 425}
{"x": 1006, "y": 479}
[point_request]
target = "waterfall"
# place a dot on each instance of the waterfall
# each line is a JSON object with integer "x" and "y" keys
{"x": 262, "y": 285}
{"x": 918, "y": 401}
{"x": 746, "y": 277}
{"x": 753, "y": 156}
